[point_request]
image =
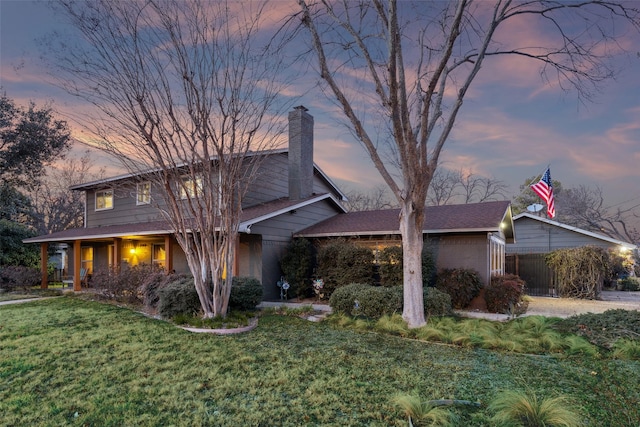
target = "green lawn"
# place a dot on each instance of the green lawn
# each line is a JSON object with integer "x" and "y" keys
{"x": 65, "y": 361}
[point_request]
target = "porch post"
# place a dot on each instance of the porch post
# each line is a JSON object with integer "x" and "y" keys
{"x": 168, "y": 253}
{"x": 44, "y": 260}
{"x": 117, "y": 254}
{"x": 77, "y": 260}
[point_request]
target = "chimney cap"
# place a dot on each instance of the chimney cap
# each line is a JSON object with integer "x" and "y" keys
{"x": 301, "y": 107}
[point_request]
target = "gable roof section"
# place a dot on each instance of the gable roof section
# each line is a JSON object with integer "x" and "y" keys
{"x": 474, "y": 217}
{"x": 575, "y": 230}
{"x": 249, "y": 216}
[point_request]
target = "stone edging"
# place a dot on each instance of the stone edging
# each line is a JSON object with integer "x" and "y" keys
{"x": 252, "y": 325}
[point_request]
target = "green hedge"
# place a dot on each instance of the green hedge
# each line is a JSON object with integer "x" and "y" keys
{"x": 377, "y": 301}
{"x": 297, "y": 267}
{"x": 390, "y": 270}
{"x": 246, "y": 293}
{"x": 505, "y": 294}
{"x": 461, "y": 284}
{"x": 341, "y": 263}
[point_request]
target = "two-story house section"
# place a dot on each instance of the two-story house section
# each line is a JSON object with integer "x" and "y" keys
{"x": 124, "y": 224}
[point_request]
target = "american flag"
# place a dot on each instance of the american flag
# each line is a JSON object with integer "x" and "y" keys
{"x": 544, "y": 189}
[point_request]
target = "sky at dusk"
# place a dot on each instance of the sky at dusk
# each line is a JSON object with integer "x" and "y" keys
{"x": 512, "y": 124}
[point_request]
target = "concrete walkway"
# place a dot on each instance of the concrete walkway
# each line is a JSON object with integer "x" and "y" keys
{"x": 18, "y": 301}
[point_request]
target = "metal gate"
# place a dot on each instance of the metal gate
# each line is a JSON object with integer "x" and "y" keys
{"x": 534, "y": 271}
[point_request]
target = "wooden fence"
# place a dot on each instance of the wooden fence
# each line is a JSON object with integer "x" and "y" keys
{"x": 534, "y": 271}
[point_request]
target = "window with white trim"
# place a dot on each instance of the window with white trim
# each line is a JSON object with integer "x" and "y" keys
{"x": 104, "y": 199}
{"x": 143, "y": 193}
{"x": 190, "y": 187}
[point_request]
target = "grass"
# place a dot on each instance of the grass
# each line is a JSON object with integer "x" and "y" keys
{"x": 65, "y": 361}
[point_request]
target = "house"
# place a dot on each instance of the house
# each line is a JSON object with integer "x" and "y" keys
{"x": 124, "y": 226}
{"x": 293, "y": 197}
{"x": 538, "y": 236}
{"x": 470, "y": 236}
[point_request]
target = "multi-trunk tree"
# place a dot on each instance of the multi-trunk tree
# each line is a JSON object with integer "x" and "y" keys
{"x": 400, "y": 72}
{"x": 185, "y": 94}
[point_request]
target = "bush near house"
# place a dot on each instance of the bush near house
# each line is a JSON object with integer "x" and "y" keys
{"x": 13, "y": 277}
{"x": 135, "y": 285}
{"x": 179, "y": 297}
{"x": 341, "y": 263}
{"x": 377, "y": 301}
{"x": 580, "y": 272}
{"x": 461, "y": 284}
{"x": 390, "y": 270}
{"x": 629, "y": 284}
{"x": 246, "y": 293}
{"x": 297, "y": 267}
{"x": 505, "y": 294}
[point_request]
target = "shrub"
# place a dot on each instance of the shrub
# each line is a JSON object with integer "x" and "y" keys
{"x": 461, "y": 284}
{"x": 297, "y": 265}
{"x": 131, "y": 284}
{"x": 14, "y": 277}
{"x": 629, "y": 284}
{"x": 246, "y": 293}
{"x": 341, "y": 263}
{"x": 178, "y": 297}
{"x": 151, "y": 285}
{"x": 375, "y": 301}
{"x": 580, "y": 272}
{"x": 505, "y": 294}
{"x": 436, "y": 303}
{"x": 390, "y": 270}
{"x": 343, "y": 299}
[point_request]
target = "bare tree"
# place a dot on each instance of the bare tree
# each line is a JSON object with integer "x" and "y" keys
{"x": 56, "y": 206}
{"x": 461, "y": 186}
{"x": 374, "y": 199}
{"x": 414, "y": 63}
{"x": 186, "y": 92}
{"x": 584, "y": 207}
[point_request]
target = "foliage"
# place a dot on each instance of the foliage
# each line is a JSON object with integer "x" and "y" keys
{"x": 603, "y": 329}
{"x": 436, "y": 302}
{"x": 629, "y": 284}
{"x": 528, "y": 410}
{"x": 246, "y": 293}
{"x": 235, "y": 319}
{"x": 142, "y": 371}
{"x": 505, "y": 294}
{"x": 390, "y": 269}
{"x": 178, "y": 297}
{"x": 297, "y": 266}
{"x": 461, "y": 284}
{"x": 341, "y": 262}
{"x": 136, "y": 284}
{"x": 13, "y": 277}
{"x": 580, "y": 272}
{"x": 12, "y": 250}
{"x": 343, "y": 300}
{"x": 15, "y": 206}
{"x": 366, "y": 300}
{"x": 29, "y": 140}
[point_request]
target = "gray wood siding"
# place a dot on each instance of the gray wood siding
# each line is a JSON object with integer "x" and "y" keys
{"x": 537, "y": 237}
{"x": 276, "y": 234}
{"x": 464, "y": 251}
{"x": 125, "y": 210}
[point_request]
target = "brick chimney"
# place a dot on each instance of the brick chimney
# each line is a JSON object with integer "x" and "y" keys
{"x": 300, "y": 153}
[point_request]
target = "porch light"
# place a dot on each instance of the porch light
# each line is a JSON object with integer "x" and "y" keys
{"x": 132, "y": 251}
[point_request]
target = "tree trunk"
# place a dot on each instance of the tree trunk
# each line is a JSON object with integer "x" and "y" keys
{"x": 412, "y": 243}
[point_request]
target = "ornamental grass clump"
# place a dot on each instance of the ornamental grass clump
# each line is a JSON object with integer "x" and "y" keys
{"x": 422, "y": 413}
{"x": 516, "y": 408}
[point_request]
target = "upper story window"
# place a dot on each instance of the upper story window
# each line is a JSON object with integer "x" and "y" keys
{"x": 190, "y": 187}
{"x": 104, "y": 200}
{"x": 143, "y": 193}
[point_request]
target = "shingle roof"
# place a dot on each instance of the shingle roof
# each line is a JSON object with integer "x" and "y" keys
{"x": 249, "y": 215}
{"x": 485, "y": 216}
